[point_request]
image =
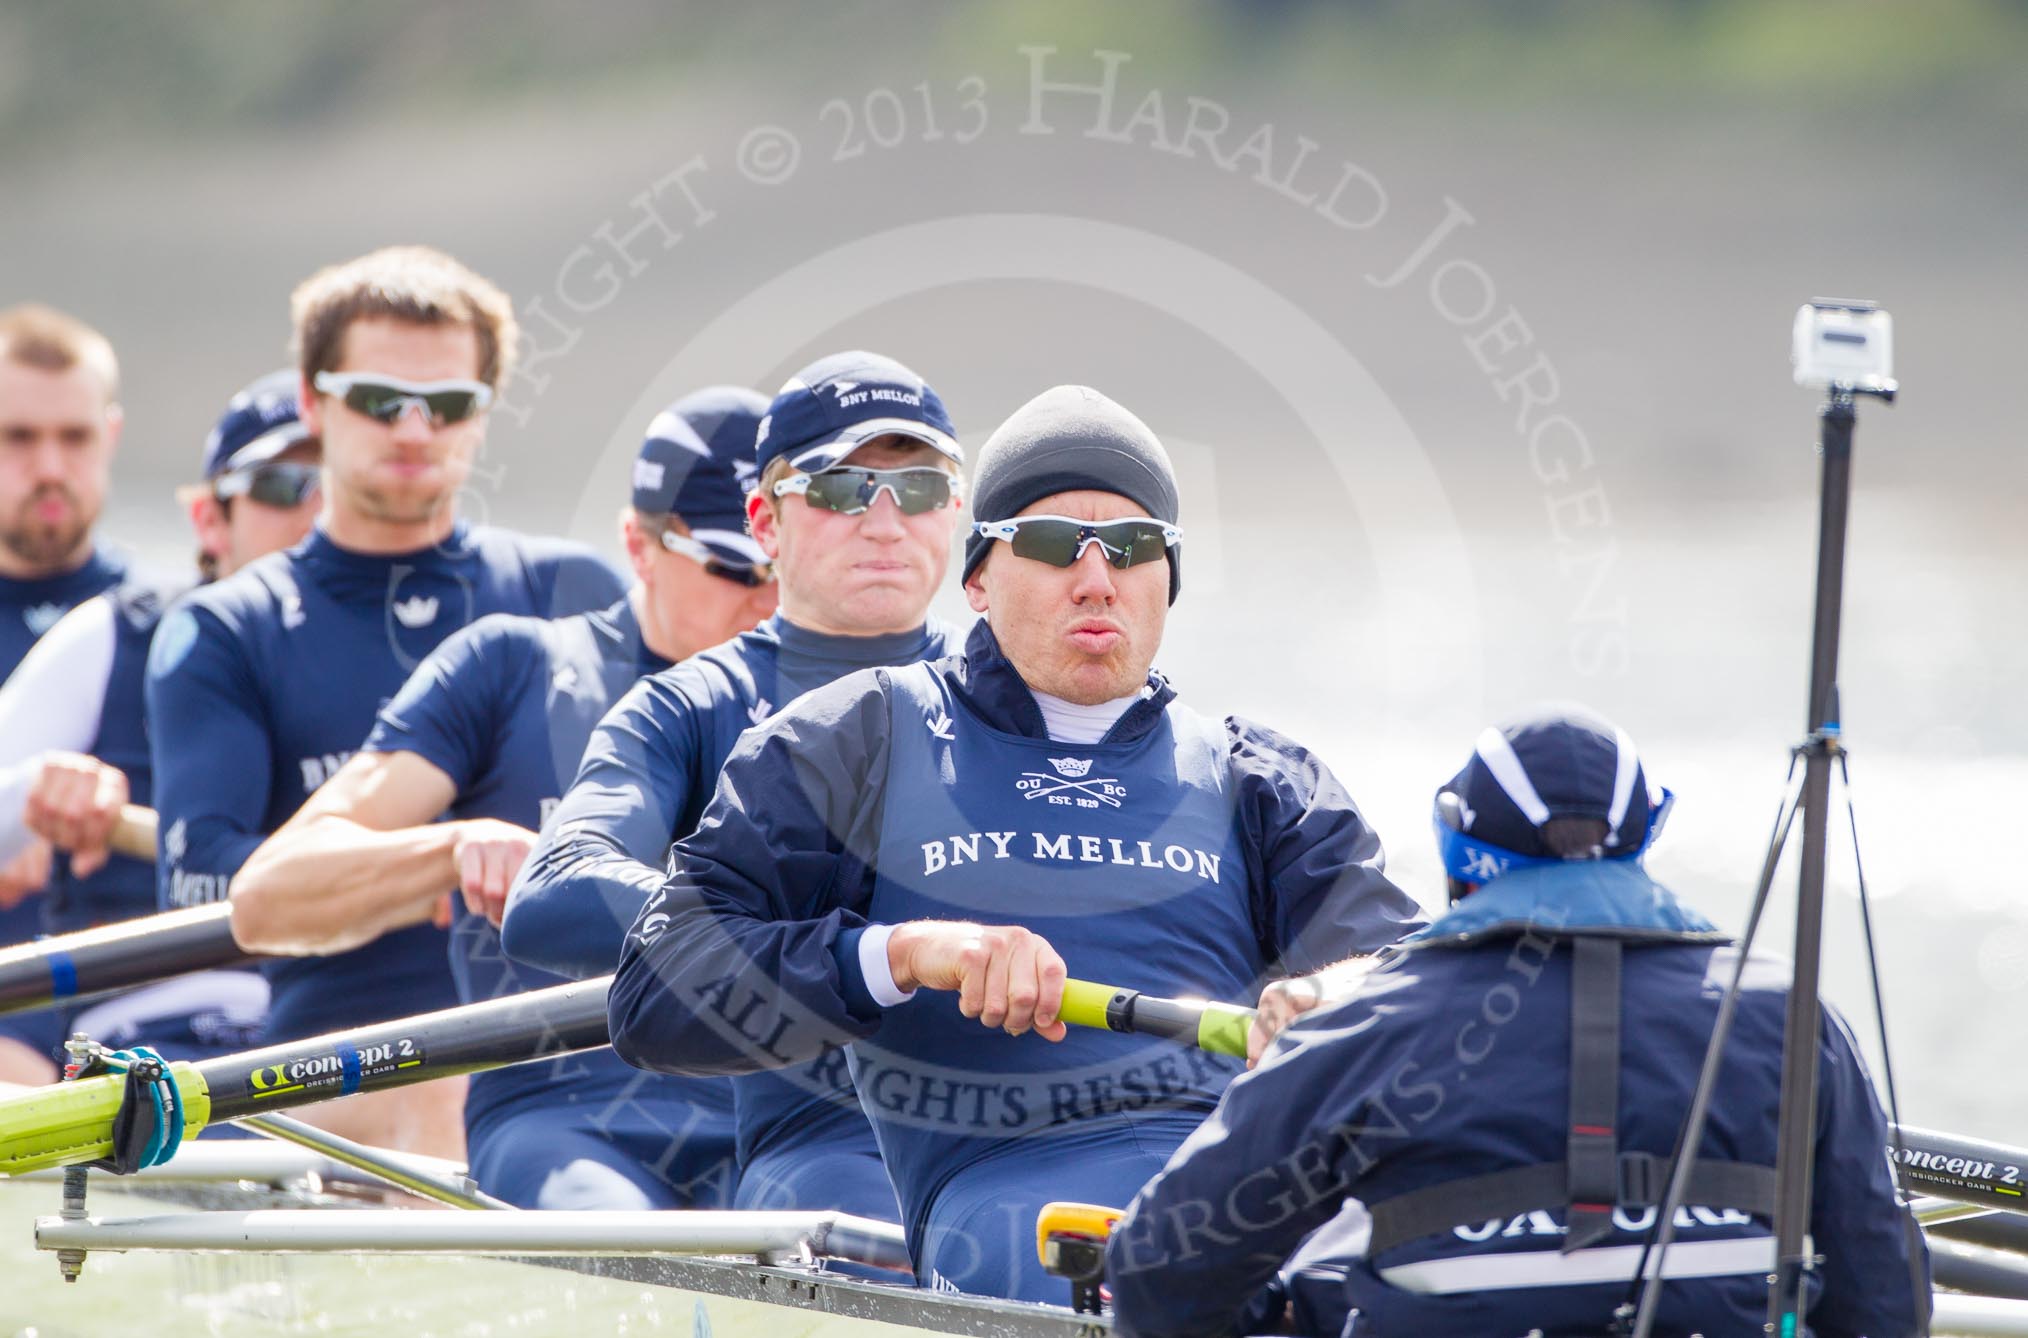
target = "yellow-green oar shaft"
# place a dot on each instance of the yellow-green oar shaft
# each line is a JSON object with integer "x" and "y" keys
{"x": 66, "y": 1123}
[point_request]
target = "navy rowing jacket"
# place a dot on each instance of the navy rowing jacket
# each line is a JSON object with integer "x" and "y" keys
{"x": 1453, "y": 1061}
{"x": 1181, "y": 855}
{"x": 648, "y": 771}
{"x": 262, "y": 684}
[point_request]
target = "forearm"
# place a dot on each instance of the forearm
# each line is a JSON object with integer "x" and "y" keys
{"x": 330, "y": 884}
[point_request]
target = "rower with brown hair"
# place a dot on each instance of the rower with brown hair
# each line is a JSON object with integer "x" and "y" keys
{"x": 261, "y": 685}
{"x": 490, "y": 729}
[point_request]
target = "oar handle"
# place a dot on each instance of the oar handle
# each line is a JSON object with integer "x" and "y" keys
{"x": 134, "y": 834}
{"x": 1218, "y": 1027}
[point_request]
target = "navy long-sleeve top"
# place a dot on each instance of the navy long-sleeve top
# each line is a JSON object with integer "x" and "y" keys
{"x": 261, "y": 685}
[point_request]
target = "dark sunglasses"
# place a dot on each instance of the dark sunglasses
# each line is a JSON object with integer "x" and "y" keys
{"x": 1060, "y": 540}
{"x": 385, "y": 399}
{"x": 282, "y": 484}
{"x": 753, "y": 578}
{"x": 850, "y": 489}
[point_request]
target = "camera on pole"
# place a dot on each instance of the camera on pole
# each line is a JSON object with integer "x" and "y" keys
{"x": 1847, "y": 350}
{"x": 1844, "y": 347}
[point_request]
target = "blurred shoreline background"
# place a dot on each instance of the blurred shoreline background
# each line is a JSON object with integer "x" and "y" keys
{"x": 1377, "y": 564}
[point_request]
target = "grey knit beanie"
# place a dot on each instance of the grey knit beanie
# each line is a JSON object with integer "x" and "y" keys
{"x": 1064, "y": 440}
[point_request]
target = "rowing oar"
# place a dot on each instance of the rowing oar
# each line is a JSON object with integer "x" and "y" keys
{"x": 1964, "y": 1170}
{"x": 116, "y": 956}
{"x": 72, "y": 1122}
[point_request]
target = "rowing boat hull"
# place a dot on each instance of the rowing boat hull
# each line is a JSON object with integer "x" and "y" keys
{"x": 180, "y": 1292}
{"x": 176, "y": 1293}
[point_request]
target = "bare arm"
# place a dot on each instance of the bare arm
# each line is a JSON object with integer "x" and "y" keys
{"x": 363, "y": 856}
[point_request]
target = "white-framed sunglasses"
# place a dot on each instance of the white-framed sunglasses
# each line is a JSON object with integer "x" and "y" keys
{"x": 1061, "y": 540}
{"x": 852, "y": 489}
{"x": 386, "y": 398}
{"x": 752, "y": 577}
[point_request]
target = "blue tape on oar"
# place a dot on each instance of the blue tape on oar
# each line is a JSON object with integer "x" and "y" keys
{"x": 62, "y": 975}
{"x": 349, "y": 1058}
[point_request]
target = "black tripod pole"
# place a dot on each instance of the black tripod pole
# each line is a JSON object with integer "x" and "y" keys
{"x": 1795, "y": 1146}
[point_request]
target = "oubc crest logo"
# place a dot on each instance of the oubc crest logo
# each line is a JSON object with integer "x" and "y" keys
{"x": 416, "y": 610}
{"x": 1073, "y": 784}
{"x": 648, "y": 474}
{"x": 292, "y": 612}
{"x": 41, "y": 617}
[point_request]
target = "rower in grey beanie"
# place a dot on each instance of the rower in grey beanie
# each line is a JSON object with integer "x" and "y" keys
{"x": 1064, "y": 440}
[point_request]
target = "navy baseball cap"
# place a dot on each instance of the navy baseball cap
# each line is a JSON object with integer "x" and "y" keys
{"x": 697, "y": 462}
{"x": 1556, "y": 762}
{"x": 837, "y": 404}
{"x": 259, "y": 424}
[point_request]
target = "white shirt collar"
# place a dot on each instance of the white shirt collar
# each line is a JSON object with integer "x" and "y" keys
{"x": 1069, "y": 722}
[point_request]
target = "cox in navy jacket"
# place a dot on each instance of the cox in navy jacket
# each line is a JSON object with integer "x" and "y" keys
{"x": 1453, "y": 1061}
